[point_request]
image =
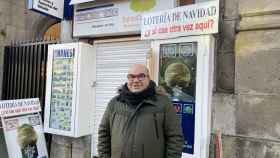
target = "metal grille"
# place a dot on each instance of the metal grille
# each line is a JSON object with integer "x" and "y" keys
{"x": 24, "y": 73}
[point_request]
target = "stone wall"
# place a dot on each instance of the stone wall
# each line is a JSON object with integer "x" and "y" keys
{"x": 17, "y": 23}
{"x": 249, "y": 118}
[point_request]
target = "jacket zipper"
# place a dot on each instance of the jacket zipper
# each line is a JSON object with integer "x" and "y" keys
{"x": 143, "y": 151}
{"x": 112, "y": 120}
{"x": 156, "y": 125}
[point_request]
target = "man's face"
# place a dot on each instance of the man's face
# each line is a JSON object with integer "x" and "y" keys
{"x": 137, "y": 79}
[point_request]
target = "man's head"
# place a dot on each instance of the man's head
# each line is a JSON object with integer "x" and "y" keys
{"x": 138, "y": 78}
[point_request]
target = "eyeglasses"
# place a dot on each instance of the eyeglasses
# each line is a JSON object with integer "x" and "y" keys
{"x": 140, "y": 77}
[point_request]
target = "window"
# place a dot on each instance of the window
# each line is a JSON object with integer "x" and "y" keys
{"x": 53, "y": 32}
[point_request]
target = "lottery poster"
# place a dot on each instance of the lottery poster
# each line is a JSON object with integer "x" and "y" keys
{"x": 177, "y": 75}
{"x": 24, "y": 137}
{"x": 62, "y": 89}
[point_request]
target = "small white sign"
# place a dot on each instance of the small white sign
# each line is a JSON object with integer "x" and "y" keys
{"x": 115, "y": 18}
{"x": 24, "y": 137}
{"x": 19, "y": 107}
{"x": 50, "y": 7}
{"x": 196, "y": 19}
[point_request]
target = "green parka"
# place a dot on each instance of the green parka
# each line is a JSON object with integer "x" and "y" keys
{"x": 149, "y": 130}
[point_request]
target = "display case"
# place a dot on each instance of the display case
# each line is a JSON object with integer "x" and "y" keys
{"x": 69, "y": 90}
{"x": 184, "y": 68}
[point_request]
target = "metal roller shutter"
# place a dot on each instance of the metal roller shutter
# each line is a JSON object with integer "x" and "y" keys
{"x": 112, "y": 63}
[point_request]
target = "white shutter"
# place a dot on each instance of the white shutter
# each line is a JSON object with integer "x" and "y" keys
{"x": 112, "y": 63}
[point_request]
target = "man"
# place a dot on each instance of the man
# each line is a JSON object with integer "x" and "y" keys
{"x": 140, "y": 122}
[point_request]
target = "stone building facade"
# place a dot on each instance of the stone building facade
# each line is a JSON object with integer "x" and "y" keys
{"x": 249, "y": 117}
{"x": 17, "y": 23}
{"x": 246, "y": 98}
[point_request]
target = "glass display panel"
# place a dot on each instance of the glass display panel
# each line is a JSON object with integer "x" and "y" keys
{"x": 62, "y": 89}
{"x": 177, "y": 75}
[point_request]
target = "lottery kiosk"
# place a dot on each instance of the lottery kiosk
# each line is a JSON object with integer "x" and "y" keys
{"x": 184, "y": 68}
{"x": 69, "y": 91}
{"x": 182, "y": 62}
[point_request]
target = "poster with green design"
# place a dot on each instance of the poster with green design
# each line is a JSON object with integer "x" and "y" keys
{"x": 142, "y": 5}
{"x": 177, "y": 69}
{"x": 24, "y": 136}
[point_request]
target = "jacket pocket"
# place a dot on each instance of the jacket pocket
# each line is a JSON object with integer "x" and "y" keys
{"x": 156, "y": 126}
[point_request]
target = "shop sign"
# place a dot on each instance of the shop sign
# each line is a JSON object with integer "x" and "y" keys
{"x": 115, "y": 18}
{"x": 19, "y": 107}
{"x": 49, "y": 7}
{"x": 24, "y": 136}
{"x": 196, "y": 19}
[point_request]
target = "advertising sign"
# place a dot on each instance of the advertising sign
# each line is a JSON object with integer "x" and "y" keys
{"x": 49, "y": 7}
{"x": 114, "y": 18}
{"x": 177, "y": 75}
{"x": 196, "y": 19}
{"x": 24, "y": 137}
{"x": 184, "y": 68}
{"x": 19, "y": 107}
{"x": 69, "y": 93}
{"x": 62, "y": 88}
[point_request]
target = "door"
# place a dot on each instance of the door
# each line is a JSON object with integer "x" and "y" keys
{"x": 184, "y": 68}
